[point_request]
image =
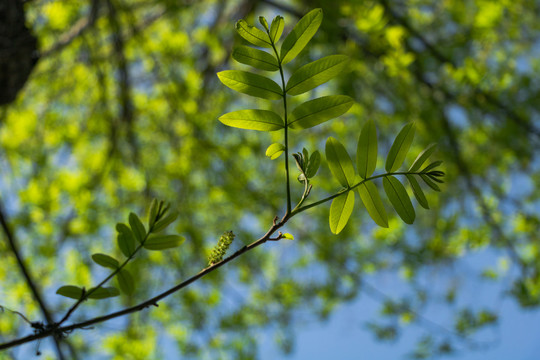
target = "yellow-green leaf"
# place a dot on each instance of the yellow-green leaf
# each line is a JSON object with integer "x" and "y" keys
{"x": 251, "y": 84}
{"x": 275, "y": 150}
{"x": 261, "y": 120}
{"x": 422, "y": 157}
{"x": 252, "y": 34}
{"x": 366, "y": 154}
{"x": 276, "y": 28}
{"x": 300, "y": 35}
{"x": 372, "y": 201}
{"x": 317, "y": 111}
{"x": 254, "y": 57}
{"x": 399, "y": 199}
{"x": 162, "y": 242}
{"x": 316, "y": 73}
{"x": 340, "y": 211}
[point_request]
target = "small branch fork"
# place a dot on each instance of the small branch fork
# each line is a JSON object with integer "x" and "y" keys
{"x": 59, "y": 331}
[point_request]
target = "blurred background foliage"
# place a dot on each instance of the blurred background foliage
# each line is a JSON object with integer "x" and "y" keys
{"x": 122, "y": 107}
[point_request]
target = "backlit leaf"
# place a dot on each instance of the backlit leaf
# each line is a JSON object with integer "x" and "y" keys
{"x": 431, "y": 166}
{"x": 422, "y": 157}
{"x": 288, "y": 236}
{"x": 163, "y": 242}
{"x": 399, "y": 148}
{"x": 263, "y": 22}
{"x": 373, "y": 203}
{"x": 105, "y": 261}
{"x": 261, "y": 120}
{"x": 125, "y": 282}
{"x": 366, "y": 154}
{"x": 340, "y": 211}
{"x": 166, "y": 221}
{"x": 417, "y": 191}
{"x": 103, "y": 293}
{"x": 251, "y": 84}
{"x": 300, "y": 35}
{"x": 317, "y": 111}
{"x": 313, "y": 164}
{"x": 70, "y": 291}
{"x": 430, "y": 183}
{"x": 276, "y": 28}
{"x": 254, "y": 57}
{"x": 252, "y": 34}
{"x": 399, "y": 199}
{"x": 275, "y": 150}
{"x": 316, "y": 73}
{"x": 339, "y": 162}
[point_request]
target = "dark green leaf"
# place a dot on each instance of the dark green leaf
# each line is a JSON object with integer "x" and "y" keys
{"x": 261, "y": 120}
{"x": 70, "y": 291}
{"x": 275, "y": 150}
{"x": 276, "y": 28}
{"x": 125, "y": 282}
{"x": 163, "y": 242}
{"x": 300, "y": 35}
{"x": 103, "y": 293}
{"x": 430, "y": 183}
{"x": 137, "y": 227}
{"x": 340, "y": 211}
{"x": 105, "y": 261}
{"x": 152, "y": 213}
{"x": 126, "y": 239}
{"x": 373, "y": 203}
{"x": 163, "y": 223}
{"x": 434, "y": 178}
{"x": 316, "y": 73}
{"x": 399, "y": 148}
{"x": 422, "y": 157}
{"x": 257, "y": 58}
{"x": 251, "y": 84}
{"x": 317, "y": 111}
{"x": 339, "y": 162}
{"x": 433, "y": 165}
{"x": 252, "y": 34}
{"x": 399, "y": 199}
{"x": 313, "y": 164}
{"x": 417, "y": 191}
{"x": 366, "y": 153}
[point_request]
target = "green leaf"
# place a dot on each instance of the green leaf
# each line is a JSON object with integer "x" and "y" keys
{"x": 313, "y": 164}
{"x": 125, "y": 282}
{"x": 433, "y": 165}
{"x": 340, "y": 211}
{"x": 252, "y": 34}
{"x": 137, "y": 227}
{"x": 339, "y": 162}
{"x": 316, "y": 73}
{"x": 317, "y": 111}
{"x": 300, "y": 35}
{"x": 70, "y": 291}
{"x": 163, "y": 223}
{"x": 366, "y": 154}
{"x": 152, "y": 213}
{"x": 399, "y": 199}
{"x": 163, "y": 242}
{"x": 276, "y": 28}
{"x": 430, "y": 183}
{"x": 417, "y": 191}
{"x": 103, "y": 293}
{"x": 399, "y": 148}
{"x": 254, "y": 57}
{"x": 422, "y": 157}
{"x": 287, "y": 236}
{"x": 263, "y": 22}
{"x": 275, "y": 150}
{"x": 126, "y": 239}
{"x": 251, "y": 84}
{"x": 261, "y": 120}
{"x": 105, "y": 261}
{"x": 373, "y": 203}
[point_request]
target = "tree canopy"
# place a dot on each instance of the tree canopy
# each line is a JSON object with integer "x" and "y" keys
{"x": 123, "y": 105}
